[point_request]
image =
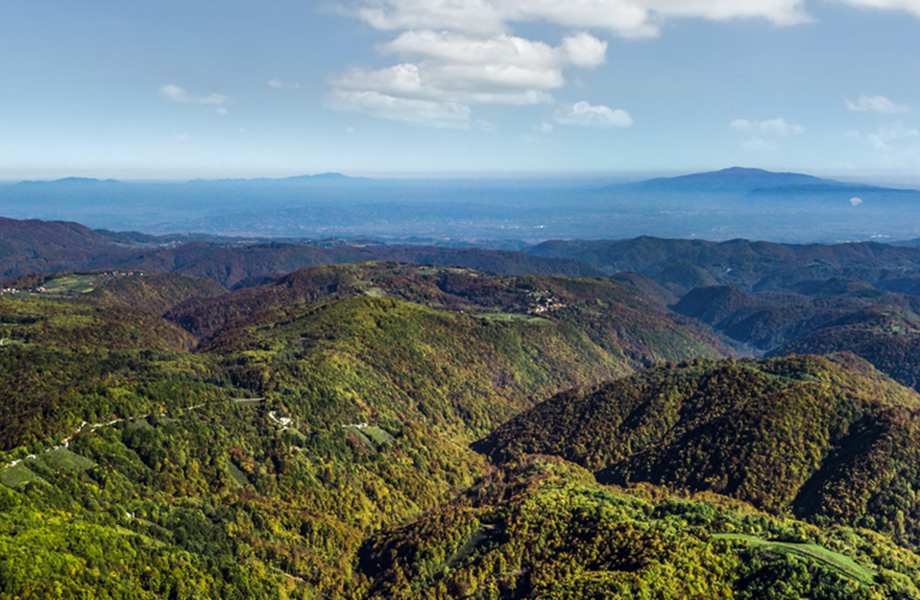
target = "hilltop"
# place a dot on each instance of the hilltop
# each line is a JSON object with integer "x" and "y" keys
{"x": 827, "y": 439}
{"x": 28, "y": 247}
{"x": 680, "y": 265}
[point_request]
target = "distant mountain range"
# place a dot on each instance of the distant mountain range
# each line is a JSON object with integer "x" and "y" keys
{"x": 35, "y": 246}
{"x": 722, "y": 205}
{"x": 734, "y": 180}
{"x": 319, "y": 178}
{"x": 743, "y": 181}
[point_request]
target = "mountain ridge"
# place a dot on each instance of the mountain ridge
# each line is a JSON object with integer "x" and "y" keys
{"x": 749, "y": 181}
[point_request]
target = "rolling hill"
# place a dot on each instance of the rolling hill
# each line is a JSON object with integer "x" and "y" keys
{"x": 315, "y": 444}
{"x": 828, "y": 439}
{"x": 749, "y": 266}
{"x": 29, "y": 247}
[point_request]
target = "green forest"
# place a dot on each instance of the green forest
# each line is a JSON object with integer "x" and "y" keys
{"x": 387, "y": 430}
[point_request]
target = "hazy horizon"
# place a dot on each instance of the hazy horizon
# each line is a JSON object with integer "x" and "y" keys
{"x": 899, "y": 180}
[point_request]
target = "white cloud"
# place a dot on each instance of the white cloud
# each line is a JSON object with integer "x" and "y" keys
{"x": 885, "y": 135}
{"x": 544, "y": 128}
{"x": 222, "y": 112}
{"x": 628, "y": 18}
{"x": 277, "y": 84}
{"x": 174, "y": 93}
{"x": 464, "y": 51}
{"x": 856, "y": 201}
{"x": 451, "y": 68}
{"x": 911, "y": 6}
{"x": 582, "y": 50}
{"x": 777, "y": 127}
{"x": 582, "y": 114}
{"x": 877, "y": 104}
{"x": 759, "y": 132}
{"x": 758, "y": 144}
{"x": 466, "y": 84}
{"x": 445, "y": 115}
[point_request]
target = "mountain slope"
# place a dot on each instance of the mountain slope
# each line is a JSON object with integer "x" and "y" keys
{"x": 801, "y": 432}
{"x": 734, "y": 180}
{"x": 154, "y": 293}
{"x": 750, "y": 266}
{"x": 445, "y": 288}
{"x": 543, "y": 529}
{"x": 28, "y": 247}
{"x": 317, "y": 447}
{"x": 768, "y": 320}
{"x": 886, "y": 337}
{"x": 379, "y": 358}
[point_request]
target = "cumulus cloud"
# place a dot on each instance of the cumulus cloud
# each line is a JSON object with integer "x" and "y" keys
{"x": 582, "y": 50}
{"x": 450, "y": 68}
{"x": 174, "y": 93}
{"x": 582, "y": 114}
{"x": 490, "y": 84}
{"x": 277, "y": 84}
{"x": 877, "y": 104}
{"x": 463, "y": 52}
{"x": 911, "y": 6}
{"x": 627, "y": 18}
{"x": 446, "y": 115}
{"x": 777, "y": 127}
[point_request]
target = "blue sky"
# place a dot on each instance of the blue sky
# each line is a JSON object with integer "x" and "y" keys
{"x": 182, "y": 89}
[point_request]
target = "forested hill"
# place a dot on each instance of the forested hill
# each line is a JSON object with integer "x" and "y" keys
{"x": 607, "y": 304}
{"x": 28, "y": 247}
{"x": 315, "y": 445}
{"x": 831, "y": 439}
{"x": 681, "y": 265}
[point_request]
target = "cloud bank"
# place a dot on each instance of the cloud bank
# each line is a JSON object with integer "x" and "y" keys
{"x": 911, "y": 6}
{"x": 627, "y": 18}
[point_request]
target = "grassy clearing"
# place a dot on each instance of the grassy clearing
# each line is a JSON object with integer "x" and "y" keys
{"x": 63, "y": 459}
{"x": 249, "y": 401}
{"x": 506, "y": 317}
{"x": 842, "y": 564}
{"x": 17, "y": 476}
{"x": 139, "y": 424}
{"x": 359, "y": 433}
{"x": 296, "y": 436}
{"x": 70, "y": 285}
{"x": 236, "y": 474}
{"x": 378, "y": 435}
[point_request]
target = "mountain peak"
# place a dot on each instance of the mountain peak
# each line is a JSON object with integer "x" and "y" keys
{"x": 731, "y": 180}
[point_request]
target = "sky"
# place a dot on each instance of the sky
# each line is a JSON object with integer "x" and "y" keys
{"x": 181, "y": 89}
